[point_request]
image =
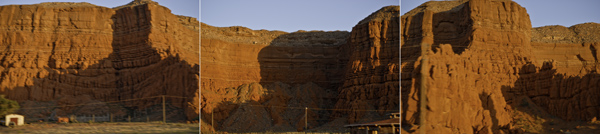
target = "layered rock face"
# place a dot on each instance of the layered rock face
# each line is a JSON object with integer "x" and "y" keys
{"x": 481, "y": 56}
{"x": 282, "y": 70}
{"x": 77, "y": 53}
{"x": 275, "y": 75}
{"x": 565, "y": 79}
{"x": 237, "y": 55}
{"x": 371, "y": 77}
{"x": 475, "y": 47}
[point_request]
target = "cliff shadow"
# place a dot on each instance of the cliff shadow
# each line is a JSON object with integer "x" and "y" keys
{"x": 545, "y": 101}
{"x": 297, "y": 71}
{"x": 410, "y": 70}
{"x": 276, "y": 107}
{"x": 103, "y": 89}
{"x": 125, "y": 79}
{"x": 452, "y": 27}
{"x": 488, "y": 104}
{"x": 301, "y": 57}
{"x": 304, "y": 57}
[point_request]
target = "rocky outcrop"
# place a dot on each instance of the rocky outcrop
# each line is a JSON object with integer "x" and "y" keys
{"x": 66, "y": 52}
{"x": 237, "y": 55}
{"x": 473, "y": 51}
{"x": 564, "y": 80}
{"x": 279, "y": 74}
{"x": 371, "y": 75}
{"x": 297, "y": 69}
{"x": 482, "y": 56}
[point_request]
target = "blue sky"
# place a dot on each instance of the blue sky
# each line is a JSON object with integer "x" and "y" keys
{"x": 290, "y": 15}
{"x": 547, "y": 12}
{"x": 178, "y": 7}
{"x": 331, "y": 15}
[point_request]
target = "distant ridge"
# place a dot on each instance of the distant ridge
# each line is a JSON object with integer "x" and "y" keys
{"x": 136, "y": 3}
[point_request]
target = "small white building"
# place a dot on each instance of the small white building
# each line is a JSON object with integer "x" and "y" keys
{"x": 17, "y": 119}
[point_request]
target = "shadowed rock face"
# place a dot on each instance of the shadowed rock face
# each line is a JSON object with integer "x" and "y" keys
{"x": 483, "y": 55}
{"x": 268, "y": 70}
{"x": 315, "y": 69}
{"x": 76, "y": 53}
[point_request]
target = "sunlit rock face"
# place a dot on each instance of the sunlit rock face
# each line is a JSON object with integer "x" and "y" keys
{"x": 483, "y": 59}
{"x": 78, "y": 53}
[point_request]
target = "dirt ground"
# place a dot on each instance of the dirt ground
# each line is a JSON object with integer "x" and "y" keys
{"x": 122, "y": 127}
{"x": 531, "y": 118}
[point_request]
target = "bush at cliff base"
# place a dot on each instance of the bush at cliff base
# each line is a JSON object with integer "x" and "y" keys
{"x": 7, "y": 106}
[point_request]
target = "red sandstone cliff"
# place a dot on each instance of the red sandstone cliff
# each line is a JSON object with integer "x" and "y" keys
{"x": 275, "y": 75}
{"x": 297, "y": 69}
{"x": 485, "y": 63}
{"x": 77, "y": 53}
{"x": 371, "y": 77}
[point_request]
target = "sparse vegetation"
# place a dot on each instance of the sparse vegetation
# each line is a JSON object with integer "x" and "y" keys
{"x": 527, "y": 122}
{"x": 7, "y": 106}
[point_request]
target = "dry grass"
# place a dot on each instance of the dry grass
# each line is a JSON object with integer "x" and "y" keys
{"x": 54, "y": 128}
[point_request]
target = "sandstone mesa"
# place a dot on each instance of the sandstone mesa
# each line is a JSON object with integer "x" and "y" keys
{"x": 56, "y": 54}
{"x": 489, "y": 70}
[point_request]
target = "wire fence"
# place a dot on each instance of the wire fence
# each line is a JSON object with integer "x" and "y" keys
{"x": 162, "y": 108}
{"x": 314, "y": 109}
{"x": 304, "y": 119}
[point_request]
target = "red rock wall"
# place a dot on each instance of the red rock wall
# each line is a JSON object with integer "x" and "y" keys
{"x": 42, "y": 41}
{"x": 371, "y": 75}
{"x": 293, "y": 58}
{"x": 226, "y": 64}
{"x": 564, "y": 81}
{"x": 484, "y": 57}
{"x": 298, "y": 65}
{"x": 269, "y": 70}
{"x": 472, "y": 54}
{"x": 85, "y": 52}
{"x": 361, "y": 65}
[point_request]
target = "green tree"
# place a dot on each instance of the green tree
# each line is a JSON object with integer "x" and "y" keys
{"x": 7, "y": 106}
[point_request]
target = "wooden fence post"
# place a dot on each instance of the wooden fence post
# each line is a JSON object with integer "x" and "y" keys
{"x": 163, "y": 105}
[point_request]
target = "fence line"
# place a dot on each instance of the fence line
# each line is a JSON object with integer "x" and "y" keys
{"x": 107, "y": 102}
{"x": 93, "y": 118}
{"x": 180, "y": 97}
{"x": 317, "y": 109}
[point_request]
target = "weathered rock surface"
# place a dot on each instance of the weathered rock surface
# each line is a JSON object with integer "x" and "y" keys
{"x": 293, "y": 68}
{"x": 74, "y": 53}
{"x": 371, "y": 77}
{"x": 285, "y": 72}
{"x": 482, "y": 56}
